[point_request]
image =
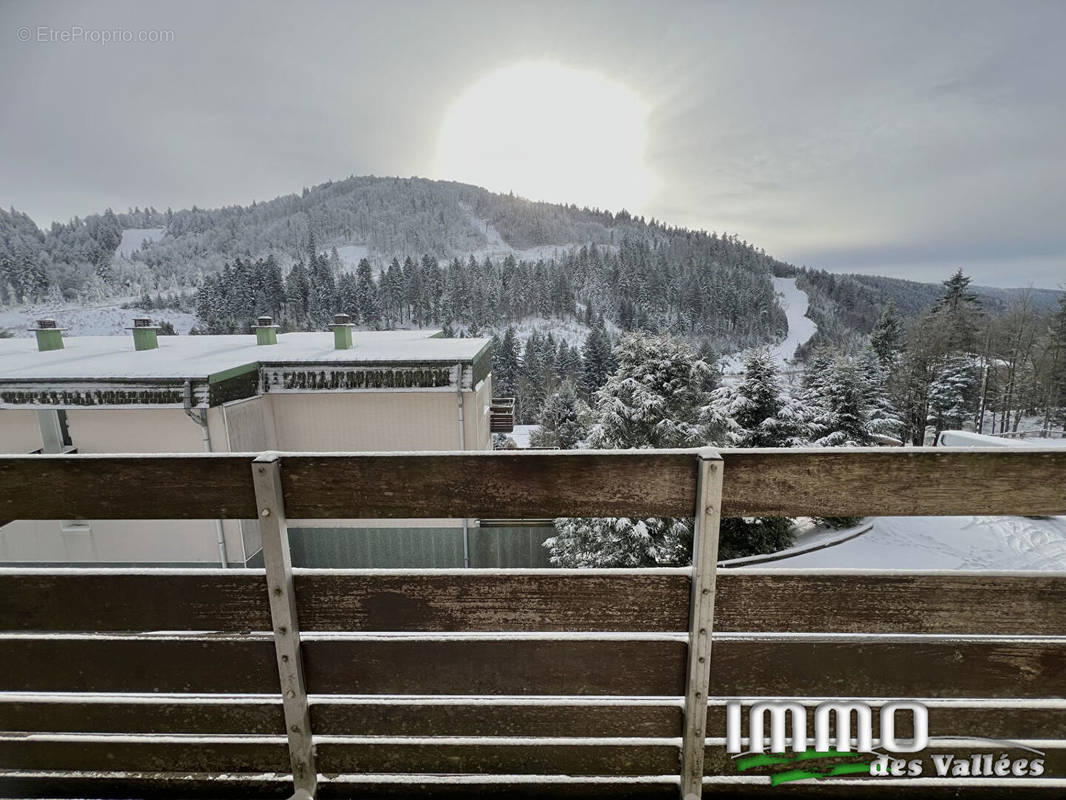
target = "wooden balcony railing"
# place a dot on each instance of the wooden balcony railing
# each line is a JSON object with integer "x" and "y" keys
{"x": 516, "y": 683}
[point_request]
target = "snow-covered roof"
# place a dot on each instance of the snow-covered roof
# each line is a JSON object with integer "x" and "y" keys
{"x": 191, "y": 357}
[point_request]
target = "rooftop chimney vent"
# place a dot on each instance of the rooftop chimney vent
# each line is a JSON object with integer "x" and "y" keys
{"x": 342, "y": 332}
{"x": 144, "y": 334}
{"x": 266, "y": 332}
{"x": 49, "y": 337}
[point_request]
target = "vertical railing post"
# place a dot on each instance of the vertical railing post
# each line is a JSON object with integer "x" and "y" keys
{"x": 701, "y": 619}
{"x": 266, "y": 474}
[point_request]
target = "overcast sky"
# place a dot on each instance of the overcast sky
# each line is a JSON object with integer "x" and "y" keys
{"x": 897, "y": 138}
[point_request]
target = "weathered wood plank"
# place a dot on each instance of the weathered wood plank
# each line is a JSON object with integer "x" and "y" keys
{"x": 915, "y": 602}
{"x": 837, "y": 602}
{"x": 222, "y": 600}
{"x": 499, "y": 789}
{"x": 77, "y": 715}
{"x": 750, "y": 667}
{"x": 122, "y": 754}
{"x": 512, "y": 758}
{"x": 494, "y": 666}
{"x": 499, "y": 484}
{"x": 814, "y": 666}
{"x": 498, "y": 719}
{"x": 139, "y": 664}
{"x": 205, "y": 664}
{"x": 458, "y": 718}
{"x": 933, "y": 481}
{"x": 216, "y": 486}
{"x": 101, "y": 785}
{"x": 842, "y": 482}
{"x": 460, "y": 601}
{"x": 254, "y": 786}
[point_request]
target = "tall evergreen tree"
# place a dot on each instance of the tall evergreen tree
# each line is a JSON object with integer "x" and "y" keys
{"x": 561, "y": 422}
{"x": 887, "y": 338}
{"x": 368, "y": 304}
{"x": 653, "y": 399}
{"x": 758, "y": 413}
{"x": 348, "y": 296}
{"x": 298, "y": 294}
{"x": 841, "y": 413}
{"x": 763, "y": 414}
{"x": 962, "y": 310}
{"x": 596, "y": 361}
{"x": 323, "y": 299}
{"x": 505, "y": 364}
{"x": 952, "y": 395}
{"x": 392, "y": 294}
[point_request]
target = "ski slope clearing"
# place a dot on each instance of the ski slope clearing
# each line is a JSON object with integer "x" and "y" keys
{"x": 795, "y": 303}
{"x": 352, "y": 254}
{"x": 981, "y": 542}
{"x": 133, "y": 238}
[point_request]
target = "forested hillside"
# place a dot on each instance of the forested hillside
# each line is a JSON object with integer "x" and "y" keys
{"x": 845, "y": 307}
{"x": 678, "y": 286}
{"x": 440, "y": 253}
{"x": 375, "y": 218}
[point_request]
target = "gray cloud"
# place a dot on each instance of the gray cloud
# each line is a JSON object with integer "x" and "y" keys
{"x": 906, "y": 138}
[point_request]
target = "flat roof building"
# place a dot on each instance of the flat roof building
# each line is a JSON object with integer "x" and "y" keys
{"x": 340, "y": 390}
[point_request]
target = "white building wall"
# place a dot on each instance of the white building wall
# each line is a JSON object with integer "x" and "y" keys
{"x": 134, "y": 430}
{"x": 369, "y": 421}
{"x": 111, "y": 542}
{"x": 19, "y": 431}
{"x": 328, "y": 422}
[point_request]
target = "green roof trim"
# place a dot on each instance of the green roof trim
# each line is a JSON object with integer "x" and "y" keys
{"x": 226, "y": 374}
{"x": 481, "y": 364}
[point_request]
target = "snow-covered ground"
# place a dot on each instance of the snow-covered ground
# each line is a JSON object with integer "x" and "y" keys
{"x": 996, "y": 543}
{"x": 352, "y": 254}
{"x": 795, "y": 303}
{"x": 521, "y": 435}
{"x": 106, "y": 318}
{"x": 133, "y": 238}
{"x": 497, "y": 247}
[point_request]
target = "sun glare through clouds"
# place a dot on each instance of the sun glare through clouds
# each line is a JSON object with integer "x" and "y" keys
{"x": 549, "y": 132}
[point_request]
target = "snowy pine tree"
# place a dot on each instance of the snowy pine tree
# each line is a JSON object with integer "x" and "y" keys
{"x": 562, "y": 422}
{"x": 951, "y": 395}
{"x": 764, "y": 415}
{"x": 596, "y": 361}
{"x": 620, "y": 542}
{"x": 761, "y": 414}
{"x": 505, "y": 364}
{"x": 840, "y": 412}
{"x": 654, "y": 398}
{"x": 888, "y": 337}
{"x": 882, "y": 419}
{"x": 298, "y": 293}
{"x": 368, "y": 304}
